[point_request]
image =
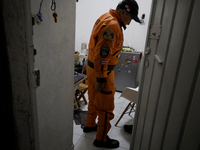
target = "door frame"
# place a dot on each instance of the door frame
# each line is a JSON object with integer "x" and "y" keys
{"x": 146, "y": 52}
{"x": 31, "y": 74}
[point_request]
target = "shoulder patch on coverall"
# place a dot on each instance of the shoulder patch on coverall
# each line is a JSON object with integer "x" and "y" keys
{"x": 108, "y": 36}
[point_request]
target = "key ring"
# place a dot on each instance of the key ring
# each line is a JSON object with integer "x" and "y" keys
{"x": 40, "y": 5}
{"x": 53, "y": 5}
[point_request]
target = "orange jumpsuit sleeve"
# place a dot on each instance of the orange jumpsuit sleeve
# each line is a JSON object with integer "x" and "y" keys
{"x": 107, "y": 38}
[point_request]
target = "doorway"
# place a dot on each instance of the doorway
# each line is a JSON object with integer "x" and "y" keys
{"x": 83, "y": 30}
{"x": 54, "y": 43}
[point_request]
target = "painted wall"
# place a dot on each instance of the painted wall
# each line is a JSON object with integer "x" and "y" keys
{"x": 55, "y": 44}
{"x": 88, "y": 11}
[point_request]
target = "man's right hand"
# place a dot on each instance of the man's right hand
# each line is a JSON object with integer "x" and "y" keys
{"x": 99, "y": 86}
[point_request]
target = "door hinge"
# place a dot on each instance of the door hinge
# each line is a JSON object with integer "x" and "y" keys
{"x": 34, "y": 51}
{"x": 33, "y": 21}
{"x": 37, "y": 77}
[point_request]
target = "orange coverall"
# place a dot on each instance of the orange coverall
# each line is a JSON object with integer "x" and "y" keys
{"x": 104, "y": 52}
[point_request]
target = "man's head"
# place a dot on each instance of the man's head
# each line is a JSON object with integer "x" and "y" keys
{"x": 128, "y": 10}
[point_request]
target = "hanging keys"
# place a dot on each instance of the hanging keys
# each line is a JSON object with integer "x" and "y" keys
{"x": 53, "y": 5}
{"x": 55, "y": 15}
{"x": 53, "y": 8}
{"x": 38, "y": 17}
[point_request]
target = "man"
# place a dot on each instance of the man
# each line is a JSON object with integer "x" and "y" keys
{"x": 104, "y": 52}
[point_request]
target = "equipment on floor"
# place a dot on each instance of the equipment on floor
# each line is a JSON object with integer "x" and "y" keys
{"x": 80, "y": 116}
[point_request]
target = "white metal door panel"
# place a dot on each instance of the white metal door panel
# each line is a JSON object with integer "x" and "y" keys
{"x": 164, "y": 95}
{"x": 166, "y": 23}
{"x": 154, "y": 71}
{"x": 186, "y": 84}
{"x": 156, "y": 17}
{"x": 167, "y": 88}
{"x": 191, "y": 136}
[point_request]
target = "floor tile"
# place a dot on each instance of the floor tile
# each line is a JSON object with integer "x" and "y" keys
{"x": 123, "y": 137}
{"x": 91, "y": 135}
{"x": 78, "y": 130}
{"x": 119, "y": 148}
{"x": 86, "y": 144}
{"x": 76, "y": 138}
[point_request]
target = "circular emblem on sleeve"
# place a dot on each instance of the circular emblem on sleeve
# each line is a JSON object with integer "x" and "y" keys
{"x": 108, "y": 34}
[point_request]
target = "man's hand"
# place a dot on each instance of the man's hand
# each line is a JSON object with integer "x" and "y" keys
{"x": 99, "y": 86}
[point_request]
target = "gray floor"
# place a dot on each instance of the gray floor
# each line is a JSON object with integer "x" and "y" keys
{"x": 84, "y": 141}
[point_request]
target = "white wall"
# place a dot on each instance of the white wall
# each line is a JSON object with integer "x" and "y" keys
{"x": 55, "y": 44}
{"x": 88, "y": 11}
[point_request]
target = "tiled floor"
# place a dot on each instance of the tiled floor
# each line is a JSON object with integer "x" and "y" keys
{"x": 84, "y": 141}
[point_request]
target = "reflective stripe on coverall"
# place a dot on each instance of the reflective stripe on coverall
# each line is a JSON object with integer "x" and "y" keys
{"x": 104, "y": 51}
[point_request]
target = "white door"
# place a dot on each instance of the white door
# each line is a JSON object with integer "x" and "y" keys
{"x": 55, "y": 44}
{"x": 168, "y": 99}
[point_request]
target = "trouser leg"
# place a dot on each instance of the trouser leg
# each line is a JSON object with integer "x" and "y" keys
{"x": 92, "y": 113}
{"x": 103, "y": 125}
{"x": 104, "y": 104}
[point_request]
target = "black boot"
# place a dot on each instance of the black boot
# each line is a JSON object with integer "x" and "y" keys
{"x": 110, "y": 143}
{"x": 89, "y": 129}
{"x": 128, "y": 128}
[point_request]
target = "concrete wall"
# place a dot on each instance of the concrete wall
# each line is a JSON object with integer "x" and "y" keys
{"x": 88, "y": 11}
{"x": 55, "y": 44}
{"x": 18, "y": 105}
